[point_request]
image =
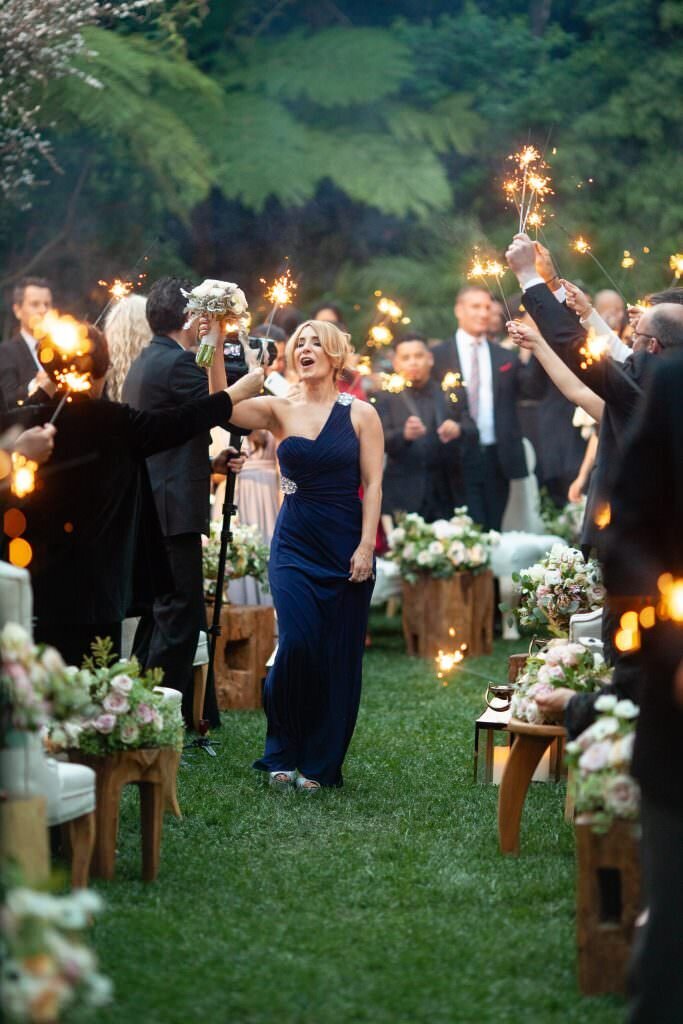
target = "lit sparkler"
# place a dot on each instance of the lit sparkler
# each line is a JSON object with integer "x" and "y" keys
{"x": 671, "y": 602}
{"x": 583, "y": 247}
{"x": 280, "y": 293}
{"x": 628, "y": 261}
{"x": 394, "y": 383}
{"x": 388, "y": 313}
{"x": 379, "y": 335}
{"x": 451, "y": 382}
{"x": 489, "y": 268}
{"x": 118, "y": 289}
{"x": 593, "y": 349}
{"x": 676, "y": 264}
{"x": 23, "y": 478}
{"x": 364, "y": 367}
{"x": 121, "y": 286}
{"x": 62, "y": 341}
{"x": 529, "y": 185}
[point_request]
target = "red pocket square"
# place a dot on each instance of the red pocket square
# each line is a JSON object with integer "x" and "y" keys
{"x": 504, "y": 368}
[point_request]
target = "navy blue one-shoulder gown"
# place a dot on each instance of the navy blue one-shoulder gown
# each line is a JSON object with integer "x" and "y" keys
{"x": 312, "y": 691}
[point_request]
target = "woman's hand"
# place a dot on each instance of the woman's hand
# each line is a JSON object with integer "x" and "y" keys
{"x": 524, "y": 335}
{"x": 361, "y": 563}
{"x": 575, "y": 492}
{"x": 247, "y": 387}
{"x": 576, "y": 299}
{"x": 552, "y": 704}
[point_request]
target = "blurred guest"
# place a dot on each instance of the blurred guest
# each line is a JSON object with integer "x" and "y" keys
{"x": 423, "y": 432}
{"x": 612, "y": 308}
{"x": 127, "y": 332}
{"x": 164, "y": 376}
{"x": 91, "y": 522}
{"x": 495, "y": 379}
{"x": 288, "y": 318}
{"x": 495, "y": 330}
{"x": 21, "y": 374}
{"x": 329, "y": 312}
{"x": 645, "y": 542}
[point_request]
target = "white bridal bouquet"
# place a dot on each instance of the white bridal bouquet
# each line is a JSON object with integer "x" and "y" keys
{"x": 441, "y": 548}
{"x": 555, "y": 588}
{"x": 219, "y": 300}
{"x": 601, "y": 759}
{"x": 559, "y": 664}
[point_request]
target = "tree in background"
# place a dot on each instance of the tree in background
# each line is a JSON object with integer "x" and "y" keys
{"x": 366, "y": 142}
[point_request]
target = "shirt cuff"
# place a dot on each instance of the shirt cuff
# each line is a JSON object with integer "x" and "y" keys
{"x": 530, "y": 280}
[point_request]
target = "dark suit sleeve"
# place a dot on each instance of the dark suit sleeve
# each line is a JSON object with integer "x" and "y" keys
{"x": 393, "y": 423}
{"x": 187, "y": 379}
{"x": 561, "y": 329}
{"x": 150, "y": 432}
{"x": 9, "y": 376}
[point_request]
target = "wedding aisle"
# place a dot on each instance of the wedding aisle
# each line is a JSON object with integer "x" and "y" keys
{"x": 386, "y": 902}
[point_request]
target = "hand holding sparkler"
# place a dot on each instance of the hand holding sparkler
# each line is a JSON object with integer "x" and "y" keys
{"x": 521, "y": 257}
{"x": 64, "y": 347}
{"x": 449, "y": 430}
{"x": 576, "y": 300}
{"x": 414, "y": 428}
{"x": 524, "y": 335}
{"x": 37, "y": 443}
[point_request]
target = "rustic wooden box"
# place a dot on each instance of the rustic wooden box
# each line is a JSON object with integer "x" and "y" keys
{"x": 432, "y": 607}
{"x": 607, "y": 904}
{"x": 246, "y": 642}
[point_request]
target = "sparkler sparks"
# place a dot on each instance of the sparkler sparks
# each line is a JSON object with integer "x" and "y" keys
{"x": 627, "y": 262}
{"x": 676, "y": 264}
{"x": 62, "y": 341}
{"x": 593, "y": 349}
{"x": 581, "y": 245}
{"x": 450, "y": 384}
{"x": 529, "y": 185}
{"x": 379, "y": 335}
{"x": 118, "y": 289}
{"x": 281, "y": 291}
{"x": 489, "y": 268}
{"x": 671, "y": 603}
{"x": 23, "y": 478}
{"x": 390, "y": 308}
{"x": 388, "y": 312}
{"x": 394, "y": 383}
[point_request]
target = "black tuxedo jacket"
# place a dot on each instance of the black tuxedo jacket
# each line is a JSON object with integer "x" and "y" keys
{"x": 410, "y": 465}
{"x": 98, "y": 551}
{"x": 645, "y": 540}
{"x": 17, "y": 370}
{"x": 560, "y": 445}
{"x": 165, "y": 376}
{"x": 621, "y": 385}
{"x": 510, "y": 379}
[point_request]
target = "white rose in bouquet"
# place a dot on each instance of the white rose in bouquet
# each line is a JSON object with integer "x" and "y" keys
{"x": 219, "y": 300}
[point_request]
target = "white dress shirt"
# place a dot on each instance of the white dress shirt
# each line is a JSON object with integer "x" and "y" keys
{"x": 32, "y": 346}
{"x": 467, "y": 345}
{"x": 618, "y": 349}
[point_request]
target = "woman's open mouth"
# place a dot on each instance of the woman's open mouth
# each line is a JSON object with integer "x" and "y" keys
{"x": 306, "y": 361}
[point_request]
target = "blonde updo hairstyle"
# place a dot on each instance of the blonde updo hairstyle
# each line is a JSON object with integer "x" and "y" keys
{"x": 335, "y": 343}
{"x": 128, "y": 332}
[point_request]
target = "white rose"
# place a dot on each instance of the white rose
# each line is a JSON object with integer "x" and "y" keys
{"x": 606, "y": 702}
{"x": 626, "y": 709}
{"x": 424, "y": 558}
{"x": 436, "y": 547}
{"x": 52, "y": 660}
{"x": 605, "y": 727}
{"x": 457, "y": 552}
{"x": 397, "y": 536}
{"x": 14, "y": 640}
{"x": 552, "y": 577}
{"x": 409, "y": 551}
{"x": 536, "y": 573}
{"x": 477, "y": 554}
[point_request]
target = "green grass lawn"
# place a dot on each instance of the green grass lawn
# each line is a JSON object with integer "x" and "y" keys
{"x": 385, "y": 902}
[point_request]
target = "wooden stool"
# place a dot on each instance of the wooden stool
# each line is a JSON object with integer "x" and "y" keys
{"x": 78, "y": 837}
{"x": 531, "y": 743}
{"x": 607, "y": 903}
{"x": 148, "y": 769}
{"x": 490, "y": 721}
{"x": 244, "y": 646}
{"x": 431, "y": 607}
{"x": 24, "y": 837}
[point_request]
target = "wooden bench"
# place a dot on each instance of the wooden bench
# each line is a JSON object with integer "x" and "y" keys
{"x": 529, "y": 746}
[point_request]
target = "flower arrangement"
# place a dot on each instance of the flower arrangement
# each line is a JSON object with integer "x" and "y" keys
{"x": 47, "y": 968}
{"x": 601, "y": 759}
{"x": 247, "y": 555}
{"x": 559, "y": 664}
{"x": 35, "y": 684}
{"x": 566, "y": 522}
{"x": 123, "y": 711}
{"x": 220, "y": 301}
{"x": 555, "y": 588}
{"x": 441, "y": 548}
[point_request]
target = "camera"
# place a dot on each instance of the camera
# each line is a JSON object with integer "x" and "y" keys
{"x": 264, "y": 351}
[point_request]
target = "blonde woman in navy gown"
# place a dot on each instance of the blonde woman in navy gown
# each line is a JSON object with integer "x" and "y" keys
{"x": 321, "y": 557}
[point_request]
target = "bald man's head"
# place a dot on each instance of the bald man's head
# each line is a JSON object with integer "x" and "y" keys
{"x": 664, "y": 325}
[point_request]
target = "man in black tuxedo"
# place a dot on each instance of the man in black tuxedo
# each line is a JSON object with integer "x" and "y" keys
{"x": 424, "y": 429}
{"x": 98, "y": 551}
{"x": 645, "y": 541}
{"x": 163, "y": 376}
{"x": 21, "y": 375}
{"x": 495, "y": 379}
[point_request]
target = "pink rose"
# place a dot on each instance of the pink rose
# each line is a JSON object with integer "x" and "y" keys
{"x": 122, "y": 684}
{"x": 129, "y": 732}
{"x": 145, "y": 714}
{"x": 622, "y": 796}
{"x": 116, "y": 703}
{"x": 596, "y": 757}
{"x": 556, "y": 672}
{"x": 105, "y": 723}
